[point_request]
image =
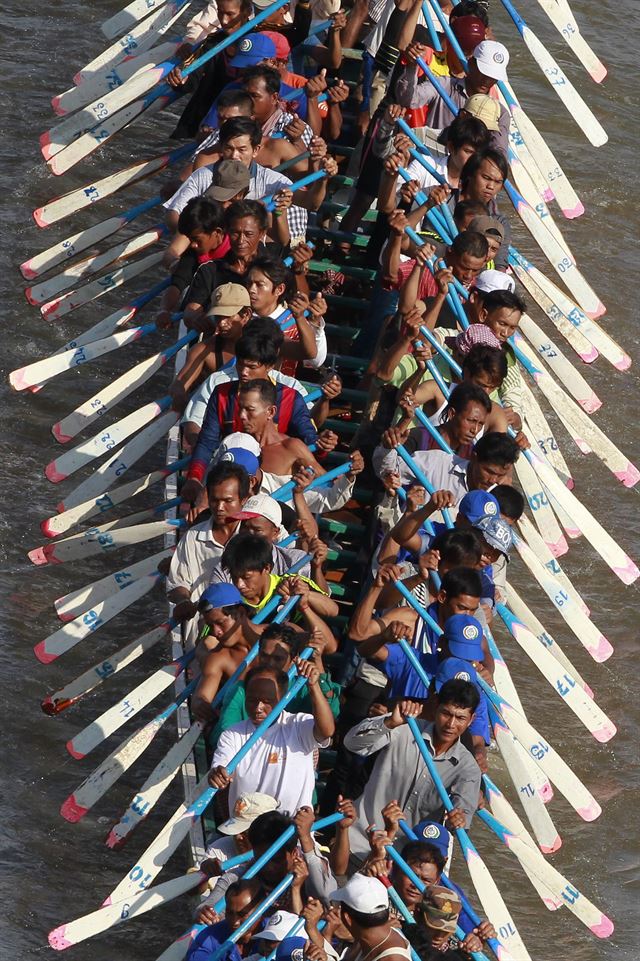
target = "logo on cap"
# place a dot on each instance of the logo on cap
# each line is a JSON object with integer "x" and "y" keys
{"x": 246, "y": 45}
{"x": 431, "y": 831}
{"x": 489, "y": 508}
{"x": 498, "y": 57}
{"x": 297, "y": 954}
{"x": 276, "y": 919}
{"x": 470, "y": 632}
{"x": 463, "y": 676}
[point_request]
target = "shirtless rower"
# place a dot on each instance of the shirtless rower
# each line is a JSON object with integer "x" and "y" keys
{"x": 364, "y": 910}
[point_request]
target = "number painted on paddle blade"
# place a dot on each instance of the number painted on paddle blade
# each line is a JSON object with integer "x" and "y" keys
{"x": 561, "y": 598}
{"x": 506, "y": 931}
{"x": 127, "y": 709}
{"x": 137, "y": 874}
{"x": 565, "y": 685}
{"x": 125, "y": 912}
{"x": 527, "y": 789}
{"x": 139, "y": 805}
{"x": 108, "y": 441}
{"x": 553, "y": 566}
{"x": 539, "y": 750}
{"x": 79, "y": 357}
{"x": 104, "y": 503}
{"x": 536, "y": 501}
{"x": 92, "y": 193}
{"x": 564, "y": 265}
{"x": 122, "y": 578}
{"x": 570, "y": 894}
{"x": 546, "y": 640}
{"x": 106, "y": 669}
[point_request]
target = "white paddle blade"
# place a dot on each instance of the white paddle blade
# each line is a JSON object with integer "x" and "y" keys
{"x": 61, "y": 552}
{"x": 91, "y": 620}
{"x": 612, "y": 554}
{"x": 128, "y": 17}
{"x": 106, "y": 475}
{"x": 567, "y": 26}
{"x": 127, "y": 707}
{"x": 541, "y": 509}
{"x": 533, "y": 539}
{"x": 107, "y": 398}
{"x": 90, "y": 679}
{"x": 101, "y": 443}
{"x": 571, "y": 378}
{"x": 154, "y": 787}
{"x": 60, "y": 306}
{"x": 588, "y": 123}
{"x": 105, "y": 918}
{"x": 48, "y": 289}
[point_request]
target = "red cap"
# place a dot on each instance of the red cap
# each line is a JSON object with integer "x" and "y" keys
{"x": 283, "y": 48}
{"x": 469, "y": 32}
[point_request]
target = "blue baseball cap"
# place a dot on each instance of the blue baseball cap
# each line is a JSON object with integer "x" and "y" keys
{"x": 219, "y": 595}
{"x": 476, "y": 505}
{"x": 435, "y": 834}
{"x": 291, "y": 949}
{"x": 496, "y": 533}
{"x": 455, "y": 669}
{"x": 252, "y": 50}
{"x": 463, "y": 634}
{"x": 238, "y": 455}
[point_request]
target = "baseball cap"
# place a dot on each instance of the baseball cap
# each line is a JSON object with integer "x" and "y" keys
{"x": 291, "y": 949}
{"x": 477, "y": 505}
{"x": 229, "y": 178}
{"x": 456, "y": 669}
{"x": 469, "y": 31}
{"x": 242, "y": 457}
{"x": 484, "y": 108}
{"x": 227, "y": 300}
{"x": 278, "y": 927}
{"x": 239, "y": 439}
{"x": 496, "y": 533}
{"x": 490, "y": 280}
{"x": 254, "y": 48}
{"x": 463, "y": 634}
{"x": 441, "y": 909}
{"x": 435, "y": 834}
{"x": 476, "y": 334}
{"x": 248, "y": 806}
{"x": 487, "y": 225}
{"x": 491, "y": 57}
{"x": 282, "y": 45}
{"x": 219, "y": 595}
{"x": 260, "y": 505}
{"x": 367, "y": 895}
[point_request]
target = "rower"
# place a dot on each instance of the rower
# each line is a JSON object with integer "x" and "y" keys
{"x": 200, "y": 548}
{"x": 249, "y": 560}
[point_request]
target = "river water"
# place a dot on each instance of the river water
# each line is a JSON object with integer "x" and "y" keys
{"x": 53, "y": 871}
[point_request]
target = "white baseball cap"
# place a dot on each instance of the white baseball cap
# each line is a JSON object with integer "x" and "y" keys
{"x": 247, "y": 808}
{"x": 489, "y": 280}
{"x": 366, "y": 895}
{"x": 260, "y": 505}
{"x": 241, "y": 441}
{"x": 278, "y": 927}
{"x": 492, "y": 59}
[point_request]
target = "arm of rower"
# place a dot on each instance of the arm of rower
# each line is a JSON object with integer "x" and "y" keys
{"x": 392, "y": 357}
{"x": 405, "y": 533}
{"x": 409, "y": 290}
{"x": 192, "y": 312}
{"x": 333, "y": 122}
{"x": 434, "y": 308}
{"x": 205, "y": 159}
{"x": 313, "y": 115}
{"x": 316, "y": 623}
{"x": 325, "y": 724}
{"x": 363, "y": 623}
{"x": 303, "y": 349}
{"x": 169, "y": 302}
{"x": 351, "y": 33}
{"x": 410, "y": 21}
{"x": 176, "y": 248}
{"x": 279, "y": 229}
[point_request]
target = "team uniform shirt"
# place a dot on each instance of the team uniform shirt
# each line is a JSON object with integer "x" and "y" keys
{"x": 210, "y": 938}
{"x": 222, "y": 417}
{"x": 263, "y": 182}
{"x": 280, "y": 764}
{"x": 400, "y": 772}
{"x": 197, "y": 406}
{"x": 404, "y": 681}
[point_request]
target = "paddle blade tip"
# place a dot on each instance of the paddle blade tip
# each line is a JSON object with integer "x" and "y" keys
{"x": 39, "y": 217}
{"x": 591, "y": 811}
{"x": 546, "y": 793}
{"x": 559, "y": 548}
{"x": 27, "y": 272}
{"x": 51, "y": 706}
{"x": 572, "y": 212}
{"x": 55, "y": 106}
{"x": 59, "y": 434}
{"x": 72, "y": 811}
{"x": 629, "y": 476}
{"x": 115, "y": 841}
{"x": 596, "y": 311}
{"x": 629, "y": 573}
{"x": 39, "y": 555}
{"x": 592, "y": 403}
{"x": 604, "y": 928}
{"x": 551, "y": 848}
{"x": 603, "y": 650}
{"x": 58, "y": 940}
{"x": 606, "y": 732}
{"x": 18, "y": 379}
{"x": 624, "y": 363}
{"x": 48, "y": 528}
{"x": 43, "y": 655}
{"x": 52, "y": 473}
{"x": 78, "y": 755}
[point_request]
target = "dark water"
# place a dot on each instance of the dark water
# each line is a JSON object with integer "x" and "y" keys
{"x": 53, "y": 871}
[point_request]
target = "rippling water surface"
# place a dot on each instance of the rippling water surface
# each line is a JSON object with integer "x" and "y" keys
{"x": 53, "y": 871}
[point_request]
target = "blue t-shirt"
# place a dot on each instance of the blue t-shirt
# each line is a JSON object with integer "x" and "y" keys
{"x": 210, "y": 939}
{"x": 404, "y": 680}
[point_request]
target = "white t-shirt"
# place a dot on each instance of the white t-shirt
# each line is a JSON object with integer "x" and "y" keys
{"x": 280, "y": 764}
